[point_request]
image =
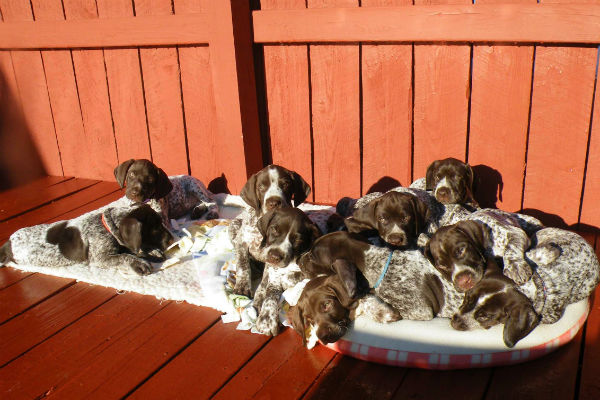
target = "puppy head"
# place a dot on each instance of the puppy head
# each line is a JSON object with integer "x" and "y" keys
{"x": 143, "y": 180}
{"x": 274, "y": 187}
{"x": 399, "y": 218}
{"x": 141, "y": 230}
{"x": 287, "y": 233}
{"x": 325, "y": 306}
{"x": 450, "y": 180}
{"x": 458, "y": 252}
{"x": 495, "y": 300}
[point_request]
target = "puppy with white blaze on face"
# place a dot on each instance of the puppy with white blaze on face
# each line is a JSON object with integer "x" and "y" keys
{"x": 271, "y": 188}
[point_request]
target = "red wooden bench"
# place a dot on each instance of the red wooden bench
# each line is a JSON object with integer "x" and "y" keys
{"x": 352, "y": 94}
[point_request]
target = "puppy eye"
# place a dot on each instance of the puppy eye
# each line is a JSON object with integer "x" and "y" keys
{"x": 131, "y": 175}
{"x": 262, "y": 187}
{"x": 326, "y": 306}
{"x": 382, "y": 219}
{"x": 482, "y": 317}
{"x": 285, "y": 184}
{"x": 273, "y": 230}
{"x": 405, "y": 219}
{"x": 460, "y": 251}
{"x": 443, "y": 267}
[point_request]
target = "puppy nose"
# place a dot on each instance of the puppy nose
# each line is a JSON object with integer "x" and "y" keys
{"x": 274, "y": 257}
{"x": 443, "y": 194}
{"x": 396, "y": 239}
{"x": 464, "y": 281}
{"x": 273, "y": 203}
{"x": 458, "y": 323}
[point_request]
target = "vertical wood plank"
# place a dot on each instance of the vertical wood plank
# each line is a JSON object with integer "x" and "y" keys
{"x": 591, "y": 196}
{"x": 199, "y": 105}
{"x": 99, "y": 144}
{"x": 62, "y": 90}
{"x": 160, "y": 68}
{"x": 563, "y": 84}
{"x": 387, "y": 108}
{"x": 31, "y": 81}
{"x": 125, "y": 88}
{"x": 288, "y": 99}
{"x": 441, "y": 100}
{"x": 234, "y": 88}
{"x": 500, "y": 99}
{"x": 336, "y": 118}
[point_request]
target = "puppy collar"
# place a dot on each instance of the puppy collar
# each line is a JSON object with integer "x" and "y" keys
{"x": 385, "y": 269}
{"x": 104, "y": 223}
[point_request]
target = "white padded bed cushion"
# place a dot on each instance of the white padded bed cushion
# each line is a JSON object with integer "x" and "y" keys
{"x": 435, "y": 345}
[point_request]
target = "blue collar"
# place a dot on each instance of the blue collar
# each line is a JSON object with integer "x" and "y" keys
{"x": 387, "y": 265}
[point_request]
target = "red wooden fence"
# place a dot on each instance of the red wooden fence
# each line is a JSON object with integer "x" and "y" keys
{"x": 357, "y": 92}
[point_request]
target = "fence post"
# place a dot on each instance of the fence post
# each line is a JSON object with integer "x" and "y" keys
{"x": 232, "y": 67}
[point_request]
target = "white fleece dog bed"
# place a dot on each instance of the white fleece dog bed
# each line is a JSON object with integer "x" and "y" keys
{"x": 200, "y": 279}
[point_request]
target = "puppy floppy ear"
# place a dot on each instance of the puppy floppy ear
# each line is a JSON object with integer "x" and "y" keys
{"x": 301, "y": 188}
{"x": 346, "y": 271}
{"x": 427, "y": 253}
{"x": 521, "y": 320}
{"x": 422, "y": 214}
{"x": 263, "y": 223}
{"x": 68, "y": 239}
{"x": 470, "y": 198}
{"x": 130, "y": 230}
{"x": 363, "y": 219}
{"x": 478, "y": 232}
{"x": 121, "y": 171}
{"x": 163, "y": 184}
{"x": 248, "y": 193}
{"x": 335, "y": 284}
{"x": 430, "y": 175}
{"x": 296, "y": 317}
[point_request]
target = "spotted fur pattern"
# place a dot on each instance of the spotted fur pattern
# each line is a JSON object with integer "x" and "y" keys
{"x": 29, "y": 245}
{"x": 376, "y": 309}
{"x": 406, "y": 285}
{"x": 566, "y": 271}
{"x": 508, "y": 240}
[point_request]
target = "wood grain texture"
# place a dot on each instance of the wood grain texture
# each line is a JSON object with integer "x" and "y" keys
{"x": 430, "y": 21}
{"x": 127, "y": 362}
{"x": 36, "y": 324}
{"x": 10, "y": 276}
{"x": 192, "y": 374}
{"x": 158, "y": 30}
{"x": 31, "y": 82}
{"x": 464, "y": 384}
{"x": 234, "y": 88}
{"x": 559, "y": 132}
{"x": 100, "y": 156}
{"x": 125, "y": 87}
{"x": 335, "y": 116}
{"x": 500, "y": 99}
{"x": 15, "y": 205}
{"x": 591, "y": 196}
{"x": 160, "y": 68}
{"x": 63, "y": 94}
{"x": 56, "y": 361}
{"x": 199, "y": 104}
{"x": 288, "y": 99}
{"x": 387, "y": 109}
{"x": 441, "y": 101}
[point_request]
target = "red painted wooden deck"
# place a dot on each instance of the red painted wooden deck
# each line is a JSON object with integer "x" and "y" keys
{"x": 64, "y": 339}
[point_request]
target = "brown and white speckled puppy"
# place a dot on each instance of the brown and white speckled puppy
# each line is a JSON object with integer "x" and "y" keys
{"x": 405, "y": 280}
{"x": 450, "y": 181}
{"x": 97, "y": 237}
{"x": 170, "y": 196}
{"x": 270, "y": 188}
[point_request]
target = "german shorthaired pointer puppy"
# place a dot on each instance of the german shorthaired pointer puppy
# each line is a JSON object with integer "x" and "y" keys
{"x": 461, "y": 251}
{"x": 171, "y": 197}
{"x": 271, "y": 188}
{"x": 325, "y": 310}
{"x": 450, "y": 181}
{"x": 566, "y": 270}
{"x": 405, "y": 280}
{"x": 495, "y": 299}
{"x": 400, "y": 216}
{"x": 286, "y": 233}
{"x": 98, "y": 238}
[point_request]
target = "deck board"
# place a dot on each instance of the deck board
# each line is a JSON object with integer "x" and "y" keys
{"x": 65, "y": 339}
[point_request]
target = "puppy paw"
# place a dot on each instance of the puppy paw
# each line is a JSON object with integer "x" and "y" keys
{"x": 242, "y": 288}
{"x": 198, "y": 211}
{"x": 156, "y": 254}
{"x": 422, "y": 240}
{"x": 268, "y": 323}
{"x": 142, "y": 268}
{"x": 519, "y": 271}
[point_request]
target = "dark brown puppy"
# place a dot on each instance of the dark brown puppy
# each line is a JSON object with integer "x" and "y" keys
{"x": 273, "y": 187}
{"x": 451, "y": 181}
{"x": 458, "y": 253}
{"x": 398, "y": 218}
{"x": 495, "y": 300}
{"x": 323, "y": 306}
{"x": 143, "y": 180}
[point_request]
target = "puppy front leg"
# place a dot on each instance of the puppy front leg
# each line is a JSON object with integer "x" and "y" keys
{"x": 268, "y": 317}
{"x": 242, "y": 272}
{"x": 515, "y": 265}
{"x": 261, "y": 290}
{"x": 140, "y": 266}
